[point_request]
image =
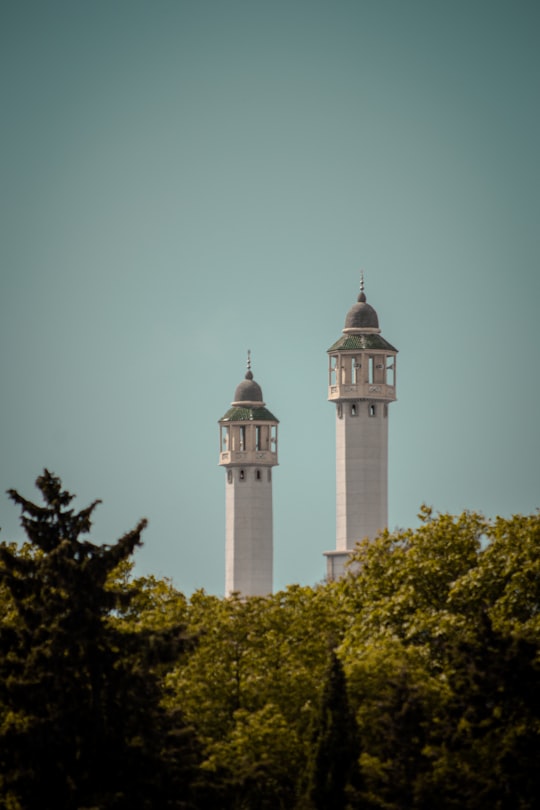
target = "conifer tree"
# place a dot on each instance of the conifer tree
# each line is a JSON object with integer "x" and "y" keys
{"x": 334, "y": 766}
{"x": 81, "y": 724}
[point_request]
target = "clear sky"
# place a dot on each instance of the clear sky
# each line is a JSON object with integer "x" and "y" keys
{"x": 182, "y": 181}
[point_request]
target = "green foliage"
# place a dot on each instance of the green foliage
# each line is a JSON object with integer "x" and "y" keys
{"x": 80, "y": 718}
{"x": 255, "y": 760}
{"x": 430, "y": 699}
{"x": 334, "y": 765}
{"x": 441, "y": 654}
{"x": 401, "y": 583}
{"x": 506, "y": 580}
{"x": 399, "y": 621}
{"x": 262, "y": 659}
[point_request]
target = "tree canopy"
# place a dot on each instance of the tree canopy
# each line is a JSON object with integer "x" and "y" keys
{"x": 81, "y": 721}
{"x": 411, "y": 682}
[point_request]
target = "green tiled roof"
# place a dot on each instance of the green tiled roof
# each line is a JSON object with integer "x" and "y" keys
{"x": 236, "y": 414}
{"x": 362, "y": 342}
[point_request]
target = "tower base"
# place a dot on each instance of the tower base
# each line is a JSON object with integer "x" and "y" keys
{"x": 335, "y": 564}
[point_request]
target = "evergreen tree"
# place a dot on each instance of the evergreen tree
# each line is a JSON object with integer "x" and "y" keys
{"x": 334, "y": 765}
{"x": 81, "y": 724}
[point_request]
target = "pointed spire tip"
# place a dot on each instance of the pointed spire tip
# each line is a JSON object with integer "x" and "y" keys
{"x": 362, "y": 295}
{"x": 249, "y": 374}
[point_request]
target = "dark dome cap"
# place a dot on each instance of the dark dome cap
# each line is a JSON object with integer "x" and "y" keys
{"x": 248, "y": 390}
{"x": 361, "y": 315}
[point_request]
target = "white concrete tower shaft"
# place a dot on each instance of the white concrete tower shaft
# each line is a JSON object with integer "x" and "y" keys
{"x": 362, "y": 383}
{"x": 248, "y": 451}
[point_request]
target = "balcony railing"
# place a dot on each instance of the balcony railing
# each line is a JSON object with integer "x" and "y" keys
{"x": 264, "y": 457}
{"x": 362, "y": 391}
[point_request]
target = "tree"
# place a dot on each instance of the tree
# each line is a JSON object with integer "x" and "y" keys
{"x": 334, "y": 763}
{"x": 255, "y": 766}
{"x": 486, "y": 748}
{"x": 441, "y": 654}
{"x": 252, "y": 687}
{"x": 81, "y": 723}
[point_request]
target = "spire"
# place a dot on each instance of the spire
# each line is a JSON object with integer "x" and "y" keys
{"x": 362, "y": 296}
{"x": 249, "y": 373}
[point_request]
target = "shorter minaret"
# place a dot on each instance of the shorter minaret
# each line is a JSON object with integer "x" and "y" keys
{"x": 362, "y": 384}
{"x": 248, "y": 451}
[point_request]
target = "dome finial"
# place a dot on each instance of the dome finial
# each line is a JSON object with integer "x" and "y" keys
{"x": 249, "y": 374}
{"x": 362, "y": 296}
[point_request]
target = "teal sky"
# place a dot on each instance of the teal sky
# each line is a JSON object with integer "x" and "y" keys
{"x": 182, "y": 181}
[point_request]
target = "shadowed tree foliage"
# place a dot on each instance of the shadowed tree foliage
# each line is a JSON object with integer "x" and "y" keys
{"x": 487, "y": 747}
{"x": 81, "y": 724}
{"x": 442, "y": 657}
{"x": 430, "y": 699}
{"x": 334, "y": 765}
{"x": 252, "y": 686}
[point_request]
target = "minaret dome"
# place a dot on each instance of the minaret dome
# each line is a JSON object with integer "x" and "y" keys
{"x": 362, "y": 315}
{"x": 248, "y": 391}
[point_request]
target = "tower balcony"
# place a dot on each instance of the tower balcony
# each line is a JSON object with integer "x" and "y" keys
{"x": 362, "y": 390}
{"x": 263, "y": 458}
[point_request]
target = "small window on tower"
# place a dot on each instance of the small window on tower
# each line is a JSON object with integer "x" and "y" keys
{"x": 353, "y": 409}
{"x": 229, "y": 476}
{"x": 258, "y": 475}
{"x": 372, "y": 410}
{"x": 242, "y": 475}
{"x": 340, "y": 411}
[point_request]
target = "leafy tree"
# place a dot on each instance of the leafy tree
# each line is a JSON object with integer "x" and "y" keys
{"x": 253, "y": 765}
{"x": 487, "y": 747}
{"x": 400, "y": 584}
{"x": 505, "y": 582}
{"x": 431, "y": 690}
{"x": 399, "y": 712}
{"x": 81, "y": 725}
{"x": 257, "y": 669}
{"x": 441, "y": 653}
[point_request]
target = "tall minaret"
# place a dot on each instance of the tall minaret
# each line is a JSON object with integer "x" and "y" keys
{"x": 248, "y": 451}
{"x": 362, "y": 383}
